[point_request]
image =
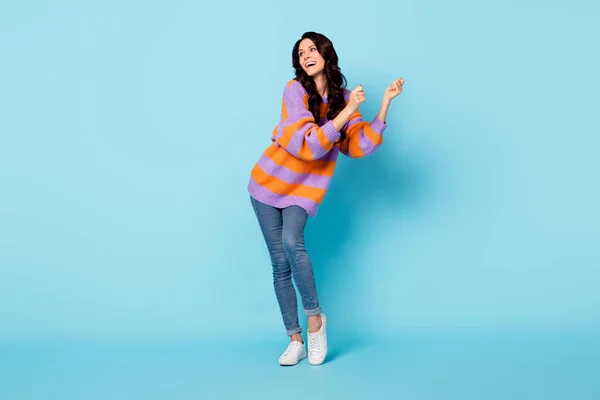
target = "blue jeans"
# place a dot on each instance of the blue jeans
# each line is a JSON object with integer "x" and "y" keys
{"x": 283, "y": 231}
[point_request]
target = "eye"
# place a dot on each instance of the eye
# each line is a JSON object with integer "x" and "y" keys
{"x": 313, "y": 49}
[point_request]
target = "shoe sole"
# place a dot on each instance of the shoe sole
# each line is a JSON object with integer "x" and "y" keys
{"x": 291, "y": 364}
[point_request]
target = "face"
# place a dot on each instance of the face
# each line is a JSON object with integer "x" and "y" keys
{"x": 310, "y": 59}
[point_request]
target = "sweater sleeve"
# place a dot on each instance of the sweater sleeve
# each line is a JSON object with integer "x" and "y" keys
{"x": 297, "y": 131}
{"x": 362, "y": 138}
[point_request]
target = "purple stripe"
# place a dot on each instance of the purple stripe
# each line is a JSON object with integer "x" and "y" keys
{"x": 279, "y": 129}
{"x": 300, "y": 135}
{"x": 354, "y": 121}
{"x": 289, "y": 176}
{"x": 331, "y": 155}
{"x": 264, "y": 195}
{"x": 366, "y": 145}
{"x": 364, "y": 142}
{"x": 306, "y": 135}
{"x": 378, "y": 126}
{"x": 330, "y": 132}
{"x": 293, "y": 98}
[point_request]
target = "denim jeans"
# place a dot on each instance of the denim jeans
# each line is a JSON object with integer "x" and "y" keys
{"x": 283, "y": 231}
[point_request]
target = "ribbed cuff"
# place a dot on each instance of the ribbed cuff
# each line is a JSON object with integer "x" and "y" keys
{"x": 330, "y": 132}
{"x": 378, "y": 126}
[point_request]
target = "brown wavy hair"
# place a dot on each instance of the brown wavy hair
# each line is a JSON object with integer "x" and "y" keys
{"x": 336, "y": 81}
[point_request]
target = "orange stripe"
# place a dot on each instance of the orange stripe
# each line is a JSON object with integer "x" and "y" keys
{"x": 324, "y": 109}
{"x": 352, "y": 143}
{"x": 305, "y": 152}
{"x": 278, "y": 186}
{"x": 284, "y": 111}
{"x": 372, "y": 135}
{"x": 354, "y": 148}
{"x": 281, "y": 157}
{"x": 356, "y": 114}
{"x": 323, "y": 141}
{"x": 288, "y": 134}
{"x": 350, "y": 133}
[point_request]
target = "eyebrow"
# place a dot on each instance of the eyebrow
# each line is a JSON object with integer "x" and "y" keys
{"x": 309, "y": 47}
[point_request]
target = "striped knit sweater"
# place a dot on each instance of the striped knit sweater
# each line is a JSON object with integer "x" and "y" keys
{"x": 298, "y": 165}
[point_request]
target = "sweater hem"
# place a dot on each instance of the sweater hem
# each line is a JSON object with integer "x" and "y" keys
{"x": 272, "y": 199}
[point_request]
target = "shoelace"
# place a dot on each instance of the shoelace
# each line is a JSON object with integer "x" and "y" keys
{"x": 314, "y": 345}
{"x": 292, "y": 346}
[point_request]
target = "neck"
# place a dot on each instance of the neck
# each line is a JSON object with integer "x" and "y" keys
{"x": 321, "y": 84}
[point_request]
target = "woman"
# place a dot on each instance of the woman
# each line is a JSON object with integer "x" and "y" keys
{"x": 319, "y": 119}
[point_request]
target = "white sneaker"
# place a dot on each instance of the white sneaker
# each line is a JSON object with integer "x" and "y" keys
{"x": 295, "y": 352}
{"x": 317, "y": 344}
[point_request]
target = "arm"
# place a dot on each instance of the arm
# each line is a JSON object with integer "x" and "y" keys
{"x": 385, "y": 105}
{"x": 362, "y": 138}
{"x": 297, "y": 131}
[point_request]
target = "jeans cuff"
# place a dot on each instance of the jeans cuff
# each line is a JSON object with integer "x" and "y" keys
{"x": 314, "y": 311}
{"x": 291, "y": 332}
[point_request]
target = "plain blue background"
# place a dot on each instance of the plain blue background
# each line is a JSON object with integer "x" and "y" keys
{"x": 128, "y": 131}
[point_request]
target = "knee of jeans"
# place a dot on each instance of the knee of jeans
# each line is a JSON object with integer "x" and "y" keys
{"x": 279, "y": 260}
{"x": 281, "y": 266}
{"x": 282, "y": 273}
{"x": 293, "y": 246}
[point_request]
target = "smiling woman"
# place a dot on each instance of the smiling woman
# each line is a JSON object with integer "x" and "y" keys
{"x": 314, "y": 61}
{"x": 319, "y": 119}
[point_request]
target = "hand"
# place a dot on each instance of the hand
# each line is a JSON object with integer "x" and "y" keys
{"x": 393, "y": 90}
{"x": 357, "y": 97}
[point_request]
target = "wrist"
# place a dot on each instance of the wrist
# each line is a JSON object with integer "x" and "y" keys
{"x": 348, "y": 111}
